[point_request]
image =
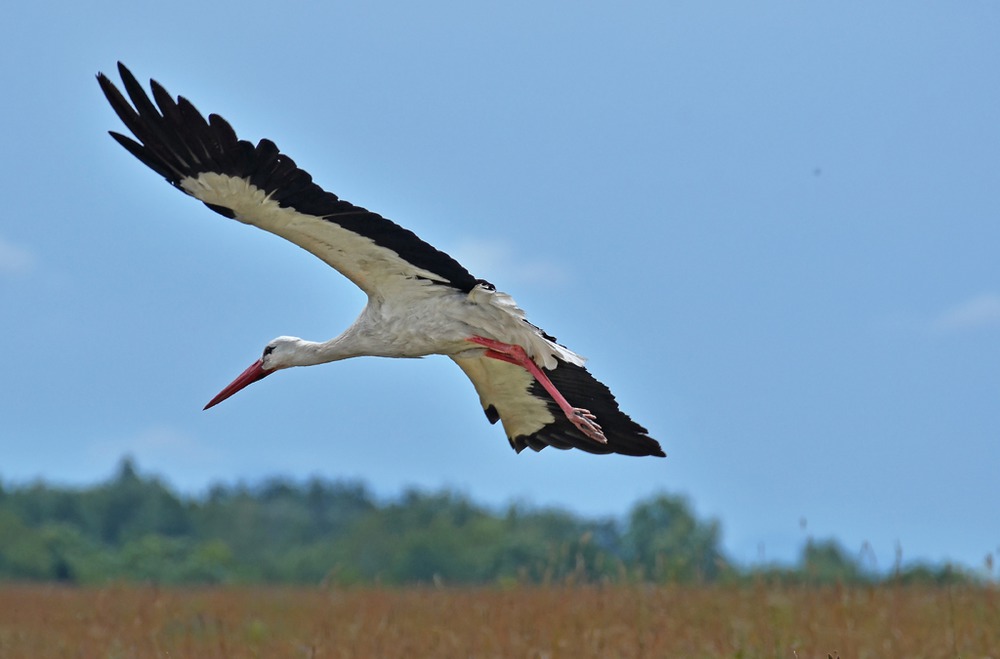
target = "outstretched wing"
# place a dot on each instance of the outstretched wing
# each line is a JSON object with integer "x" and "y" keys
{"x": 532, "y": 419}
{"x": 261, "y": 186}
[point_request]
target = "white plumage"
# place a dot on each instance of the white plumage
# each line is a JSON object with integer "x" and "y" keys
{"x": 420, "y": 300}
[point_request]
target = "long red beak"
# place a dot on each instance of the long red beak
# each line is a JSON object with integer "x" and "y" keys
{"x": 247, "y": 377}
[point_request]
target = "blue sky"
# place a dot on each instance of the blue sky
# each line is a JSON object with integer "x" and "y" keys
{"x": 771, "y": 226}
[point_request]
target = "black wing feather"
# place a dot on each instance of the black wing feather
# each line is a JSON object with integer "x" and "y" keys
{"x": 583, "y": 390}
{"x": 176, "y": 142}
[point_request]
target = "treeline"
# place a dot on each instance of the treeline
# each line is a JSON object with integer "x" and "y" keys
{"x": 135, "y": 528}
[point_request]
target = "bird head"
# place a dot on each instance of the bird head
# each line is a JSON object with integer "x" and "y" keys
{"x": 279, "y": 353}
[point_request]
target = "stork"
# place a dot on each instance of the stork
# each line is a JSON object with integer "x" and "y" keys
{"x": 420, "y": 300}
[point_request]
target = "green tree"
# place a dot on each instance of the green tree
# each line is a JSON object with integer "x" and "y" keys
{"x": 130, "y": 506}
{"x": 667, "y": 543}
{"x": 826, "y": 561}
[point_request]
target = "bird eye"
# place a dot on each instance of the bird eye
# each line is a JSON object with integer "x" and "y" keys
{"x": 268, "y": 350}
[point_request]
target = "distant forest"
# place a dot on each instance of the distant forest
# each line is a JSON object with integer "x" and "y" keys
{"x": 134, "y": 528}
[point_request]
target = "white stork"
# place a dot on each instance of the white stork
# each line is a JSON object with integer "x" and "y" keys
{"x": 420, "y": 300}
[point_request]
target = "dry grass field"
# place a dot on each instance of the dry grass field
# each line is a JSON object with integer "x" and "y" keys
{"x": 563, "y": 621}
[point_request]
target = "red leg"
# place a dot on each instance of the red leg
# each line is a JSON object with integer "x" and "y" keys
{"x": 504, "y": 352}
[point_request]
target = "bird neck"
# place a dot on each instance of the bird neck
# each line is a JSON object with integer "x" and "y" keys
{"x": 364, "y": 337}
{"x": 352, "y": 343}
{"x": 310, "y": 353}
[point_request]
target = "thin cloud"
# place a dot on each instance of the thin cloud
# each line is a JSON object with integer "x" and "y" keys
{"x": 15, "y": 260}
{"x": 499, "y": 260}
{"x": 982, "y": 311}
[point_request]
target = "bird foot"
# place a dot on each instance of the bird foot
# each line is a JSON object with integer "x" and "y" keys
{"x": 584, "y": 420}
{"x": 587, "y": 424}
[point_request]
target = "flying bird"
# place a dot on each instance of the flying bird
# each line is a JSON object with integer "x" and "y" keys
{"x": 420, "y": 300}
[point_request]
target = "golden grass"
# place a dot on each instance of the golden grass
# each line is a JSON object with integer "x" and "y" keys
{"x": 563, "y": 621}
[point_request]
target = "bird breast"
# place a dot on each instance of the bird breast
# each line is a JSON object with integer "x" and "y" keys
{"x": 435, "y": 319}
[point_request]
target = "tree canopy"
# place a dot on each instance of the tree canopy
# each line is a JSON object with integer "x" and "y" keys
{"x": 134, "y": 527}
